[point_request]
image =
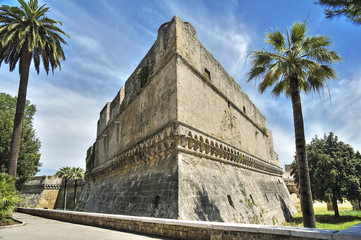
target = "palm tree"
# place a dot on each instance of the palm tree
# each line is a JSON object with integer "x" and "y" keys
{"x": 297, "y": 63}
{"x": 27, "y": 34}
{"x": 351, "y": 9}
{"x": 77, "y": 173}
{"x": 65, "y": 173}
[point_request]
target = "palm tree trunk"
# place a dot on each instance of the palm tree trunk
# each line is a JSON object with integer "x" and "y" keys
{"x": 65, "y": 193}
{"x": 20, "y": 107}
{"x": 75, "y": 188}
{"x": 301, "y": 156}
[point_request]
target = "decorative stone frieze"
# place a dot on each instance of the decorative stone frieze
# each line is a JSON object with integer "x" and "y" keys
{"x": 176, "y": 137}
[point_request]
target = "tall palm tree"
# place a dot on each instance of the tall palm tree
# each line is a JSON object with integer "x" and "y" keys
{"x": 27, "y": 34}
{"x": 297, "y": 63}
{"x": 77, "y": 173}
{"x": 65, "y": 173}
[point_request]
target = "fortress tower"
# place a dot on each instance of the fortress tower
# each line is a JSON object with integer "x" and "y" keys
{"x": 182, "y": 140}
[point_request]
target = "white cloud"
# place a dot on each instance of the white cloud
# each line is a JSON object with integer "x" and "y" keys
{"x": 65, "y": 123}
{"x": 342, "y": 117}
{"x": 90, "y": 44}
{"x": 284, "y": 144}
{"x": 108, "y": 40}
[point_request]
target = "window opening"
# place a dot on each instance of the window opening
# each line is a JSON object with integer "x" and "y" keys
{"x": 156, "y": 202}
{"x": 207, "y": 74}
{"x": 230, "y": 201}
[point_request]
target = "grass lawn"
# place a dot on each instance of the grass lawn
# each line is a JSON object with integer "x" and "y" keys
{"x": 326, "y": 220}
{"x": 7, "y": 221}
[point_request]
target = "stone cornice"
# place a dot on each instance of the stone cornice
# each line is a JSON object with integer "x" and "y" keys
{"x": 178, "y": 137}
{"x": 40, "y": 186}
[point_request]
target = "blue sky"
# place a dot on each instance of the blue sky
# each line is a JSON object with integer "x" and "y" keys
{"x": 109, "y": 38}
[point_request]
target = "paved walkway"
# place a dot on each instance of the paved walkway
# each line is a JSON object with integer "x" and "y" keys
{"x": 38, "y": 228}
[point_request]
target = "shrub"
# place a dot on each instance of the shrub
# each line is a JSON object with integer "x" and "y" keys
{"x": 9, "y": 197}
{"x": 142, "y": 75}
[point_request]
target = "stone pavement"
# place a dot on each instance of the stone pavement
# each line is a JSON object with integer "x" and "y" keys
{"x": 38, "y": 228}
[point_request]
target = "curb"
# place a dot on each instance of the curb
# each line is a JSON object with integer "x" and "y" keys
{"x": 14, "y": 225}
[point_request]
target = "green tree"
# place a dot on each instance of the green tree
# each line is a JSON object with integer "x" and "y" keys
{"x": 297, "y": 62}
{"x": 358, "y": 173}
{"x": 334, "y": 170}
{"x": 65, "y": 173}
{"x": 9, "y": 197}
{"x": 29, "y": 156}
{"x": 77, "y": 173}
{"x": 351, "y": 9}
{"x": 27, "y": 34}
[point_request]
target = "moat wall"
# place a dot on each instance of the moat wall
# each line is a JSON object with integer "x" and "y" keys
{"x": 228, "y": 193}
{"x": 147, "y": 189}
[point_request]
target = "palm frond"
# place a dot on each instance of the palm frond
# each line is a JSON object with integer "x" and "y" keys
{"x": 298, "y": 33}
{"x": 276, "y": 40}
{"x": 29, "y": 27}
{"x": 323, "y": 55}
{"x": 299, "y": 57}
{"x": 280, "y": 87}
{"x": 255, "y": 72}
{"x": 36, "y": 57}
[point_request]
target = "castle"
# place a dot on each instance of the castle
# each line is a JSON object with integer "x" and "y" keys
{"x": 181, "y": 140}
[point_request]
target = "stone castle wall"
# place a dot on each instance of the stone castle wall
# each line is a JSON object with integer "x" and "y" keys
{"x": 40, "y": 192}
{"x": 47, "y": 192}
{"x": 69, "y": 194}
{"x": 221, "y": 100}
{"x": 186, "y": 143}
{"x": 142, "y": 111}
{"x": 146, "y": 189}
{"x": 229, "y": 193}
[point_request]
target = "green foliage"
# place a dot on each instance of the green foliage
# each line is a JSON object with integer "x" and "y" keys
{"x": 335, "y": 170}
{"x": 68, "y": 173}
{"x": 29, "y": 156}
{"x": 326, "y": 220}
{"x": 264, "y": 130}
{"x": 295, "y": 55}
{"x": 206, "y": 76}
{"x": 9, "y": 197}
{"x": 142, "y": 75}
{"x": 274, "y": 221}
{"x": 27, "y": 34}
{"x": 243, "y": 190}
{"x": 234, "y": 80}
{"x": 29, "y": 28}
{"x": 296, "y": 63}
{"x": 64, "y": 172}
{"x": 240, "y": 159}
{"x": 351, "y": 9}
{"x": 249, "y": 203}
{"x": 77, "y": 173}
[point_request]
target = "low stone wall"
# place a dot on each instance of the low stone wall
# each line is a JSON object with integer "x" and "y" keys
{"x": 40, "y": 192}
{"x": 48, "y": 192}
{"x": 180, "y": 229}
